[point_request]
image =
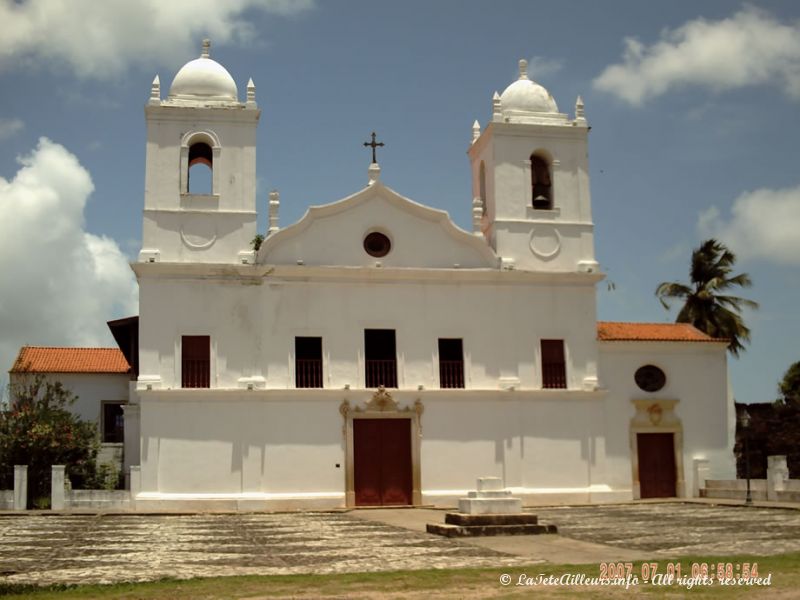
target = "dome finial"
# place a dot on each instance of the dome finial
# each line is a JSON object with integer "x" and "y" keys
{"x": 523, "y": 69}
{"x": 206, "y": 49}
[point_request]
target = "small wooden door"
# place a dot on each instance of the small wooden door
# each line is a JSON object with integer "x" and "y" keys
{"x": 382, "y": 461}
{"x": 657, "y": 475}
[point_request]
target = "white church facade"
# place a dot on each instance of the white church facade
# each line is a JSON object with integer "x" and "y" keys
{"x": 374, "y": 353}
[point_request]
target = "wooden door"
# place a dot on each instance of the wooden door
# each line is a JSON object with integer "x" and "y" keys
{"x": 657, "y": 475}
{"x": 382, "y": 461}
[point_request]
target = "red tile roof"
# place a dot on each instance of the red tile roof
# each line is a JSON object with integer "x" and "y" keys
{"x": 609, "y": 331}
{"x": 38, "y": 359}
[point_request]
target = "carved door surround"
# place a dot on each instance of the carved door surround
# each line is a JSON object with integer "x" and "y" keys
{"x": 656, "y": 416}
{"x": 382, "y": 405}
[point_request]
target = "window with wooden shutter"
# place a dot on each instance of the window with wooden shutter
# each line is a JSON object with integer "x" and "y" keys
{"x": 554, "y": 367}
{"x": 196, "y": 361}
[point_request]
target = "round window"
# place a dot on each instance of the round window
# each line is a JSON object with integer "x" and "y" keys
{"x": 650, "y": 378}
{"x": 377, "y": 244}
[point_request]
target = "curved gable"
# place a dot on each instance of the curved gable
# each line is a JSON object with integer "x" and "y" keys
{"x": 333, "y": 235}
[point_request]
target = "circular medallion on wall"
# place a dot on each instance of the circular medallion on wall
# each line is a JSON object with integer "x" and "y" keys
{"x": 199, "y": 232}
{"x": 650, "y": 378}
{"x": 377, "y": 244}
{"x": 545, "y": 241}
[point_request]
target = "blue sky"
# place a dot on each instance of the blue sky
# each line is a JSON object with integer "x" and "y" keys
{"x": 693, "y": 108}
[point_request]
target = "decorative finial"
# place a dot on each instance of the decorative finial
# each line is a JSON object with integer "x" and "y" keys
{"x": 496, "y": 109}
{"x": 523, "y": 69}
{"x": 206, "y": 48}
{"x": 476, "y": 131}
{"x": 274, "y": 205}
{"x": 251, "y": 93}
{"x": 373, "y": 173}
{"x": 155, "y": 91}
{"x": 373, "y": 144}
{"x": 477, "y": 214}
{"x": 580, "y": 115}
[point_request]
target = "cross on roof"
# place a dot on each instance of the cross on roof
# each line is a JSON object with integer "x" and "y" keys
{"x": 373, "y": 144}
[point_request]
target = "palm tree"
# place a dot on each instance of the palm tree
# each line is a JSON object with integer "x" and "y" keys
{"x": 705, "y": 304}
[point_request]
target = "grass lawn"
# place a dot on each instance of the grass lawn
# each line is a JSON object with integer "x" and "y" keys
{"x": 433, "y": 583}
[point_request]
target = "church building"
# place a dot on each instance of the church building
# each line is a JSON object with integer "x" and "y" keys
{"x": 374, "y": 353}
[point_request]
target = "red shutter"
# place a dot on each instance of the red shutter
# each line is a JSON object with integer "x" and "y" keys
{"x": 195, "y": 361}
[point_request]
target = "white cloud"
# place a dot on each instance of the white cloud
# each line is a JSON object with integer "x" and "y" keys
{"x": 749, "y": 48}
{"x": 59, "y": 283}
{"x": 100, "y": 39}
{"x": 541, "y": 66}
{"x": 762, "y": 224}
{"x": 8, "y": 127}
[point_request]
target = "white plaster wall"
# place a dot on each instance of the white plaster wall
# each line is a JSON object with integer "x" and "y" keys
{"x": 536, "y": 444}
{"x": 230, "y": 445}
{"x": 198, "y": 236}
{"x": 252, "y": 328}
{"x": 696, "y": 377}
{"x": 256, "y": 443}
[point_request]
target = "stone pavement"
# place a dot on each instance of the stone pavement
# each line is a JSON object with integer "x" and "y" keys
{"x": 635, "y": 531}
{"x": 46, "y": 549}
{"x": 678, "y": 529}
{"x": 108, "y": 548}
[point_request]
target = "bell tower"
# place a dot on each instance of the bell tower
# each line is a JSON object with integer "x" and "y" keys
{"x": 531, "y": 183}
{"x": 200, "y": 172}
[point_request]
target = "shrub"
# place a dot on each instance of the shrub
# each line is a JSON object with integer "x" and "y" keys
{"x": 39, "y": 430}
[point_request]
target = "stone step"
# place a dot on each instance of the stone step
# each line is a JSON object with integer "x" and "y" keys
{"x": 486, "y": 530}
{"x": 469, "y": 520}
{"x": 489, "y": 484}
{"x": 729, "y": 494}
{"x": 735, "y": 484}
{"x": 483, "y": 506}
{"x": 490, "y": 494}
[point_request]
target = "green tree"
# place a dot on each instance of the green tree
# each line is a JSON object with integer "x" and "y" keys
{"x": 706, "y": 304}
{"x": 39, "y": 430}
{"x": 789, "y": 387}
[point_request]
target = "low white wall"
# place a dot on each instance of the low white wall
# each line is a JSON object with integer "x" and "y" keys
{"x": 735, "y": 489}
{"x": 6, "y": 499}
{"x": 101, "y": 499}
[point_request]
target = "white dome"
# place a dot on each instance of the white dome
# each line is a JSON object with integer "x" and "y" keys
{"x": 526, "y": 96}
{"x": 204, "y": 79}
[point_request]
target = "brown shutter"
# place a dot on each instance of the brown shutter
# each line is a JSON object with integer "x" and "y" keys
{"x": 195, "y": 361}
{"x": 554, "y": 368}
